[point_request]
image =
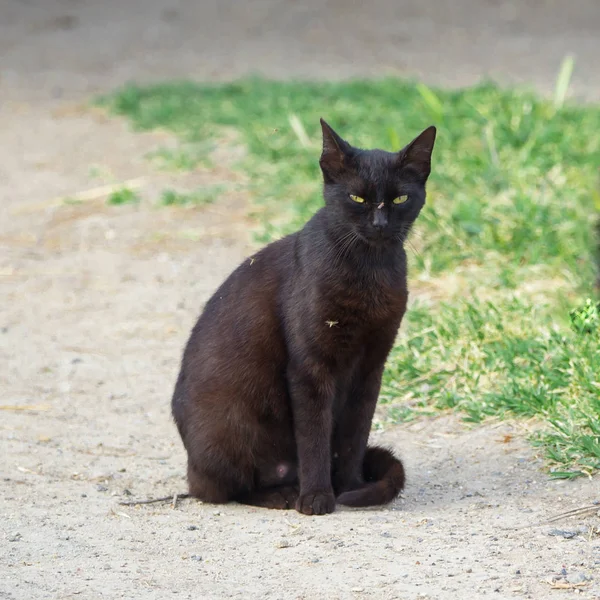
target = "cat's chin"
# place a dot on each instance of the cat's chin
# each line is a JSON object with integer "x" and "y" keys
{"x": 381, "y": 241}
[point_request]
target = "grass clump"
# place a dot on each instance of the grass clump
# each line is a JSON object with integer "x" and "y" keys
{"x": 486, "y": 359}
{"x": 182, "y": 158}
{"x": 123, "y": 196}
{"x": 201, "y": 196}
{"x": 510, "y": 216}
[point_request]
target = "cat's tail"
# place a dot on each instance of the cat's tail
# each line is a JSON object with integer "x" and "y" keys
{"x": 384, "y": 477}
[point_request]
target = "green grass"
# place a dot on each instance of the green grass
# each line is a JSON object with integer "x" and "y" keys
{"x": 123, "y": 196}
{"x": 201, "y": 196}
{"x": 506, "y": 239}
{"x": 504, "y": 358}
{"x": 182, "y": 158}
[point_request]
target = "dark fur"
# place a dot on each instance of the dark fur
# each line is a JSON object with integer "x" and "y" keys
{"x": 280, "y": 376}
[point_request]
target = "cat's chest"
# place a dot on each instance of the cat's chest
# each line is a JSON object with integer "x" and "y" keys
{"x": 349, "y": 310}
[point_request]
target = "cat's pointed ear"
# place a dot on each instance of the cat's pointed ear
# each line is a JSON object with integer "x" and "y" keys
{"x": 335, "y": 152}
{"x": 417, "y": 155}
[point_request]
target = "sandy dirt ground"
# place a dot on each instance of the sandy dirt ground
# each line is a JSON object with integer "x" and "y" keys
{"x": 97, "y": 301}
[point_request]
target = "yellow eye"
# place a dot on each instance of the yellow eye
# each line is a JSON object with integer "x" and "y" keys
{"x": 357, "y": 199}
{"x": 400, "y": 199}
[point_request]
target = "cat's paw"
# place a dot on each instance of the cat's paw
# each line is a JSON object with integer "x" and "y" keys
{"x": 316, "y": 503}
{"x": 283, "y": 498}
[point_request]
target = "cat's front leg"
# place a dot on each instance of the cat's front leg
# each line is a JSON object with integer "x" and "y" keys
{"x": 352, "y": 431}
{"x": 312, "y": 388}
{"x": 354, "y": 423}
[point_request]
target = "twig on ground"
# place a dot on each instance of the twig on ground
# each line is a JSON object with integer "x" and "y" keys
{"x": 584, "y": 511}
{"x": 564, "y": 585}
{"x": 173, "y": 499}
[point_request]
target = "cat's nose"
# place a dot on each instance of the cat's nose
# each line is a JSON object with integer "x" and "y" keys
{"x": 379, "y": 220}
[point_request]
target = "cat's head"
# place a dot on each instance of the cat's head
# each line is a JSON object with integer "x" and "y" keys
{"x": 377, "y": 194}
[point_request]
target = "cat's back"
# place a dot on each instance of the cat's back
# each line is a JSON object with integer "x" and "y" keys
{"x": 241, "y": 319}
{"x": 230, "y": 377}
{"x": 255, "y": 282}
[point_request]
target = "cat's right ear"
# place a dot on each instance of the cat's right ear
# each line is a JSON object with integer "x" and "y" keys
{"x": 334, "y": 157}
{"x": 417, "y": 155}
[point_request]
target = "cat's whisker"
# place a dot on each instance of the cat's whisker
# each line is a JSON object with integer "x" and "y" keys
{"x": 349, "y": 240}
{"x": 414, "y": 249}
{"x": 351, "y": 245}
{"x": 404, "y": 238}
{"x": 408, "y": 232}
{"x": 338, "y": 248}
{"x": 415, "y": 233}
{"x": 343, "y": 243}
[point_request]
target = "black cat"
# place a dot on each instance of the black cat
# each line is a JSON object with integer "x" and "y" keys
{"x": 280, "y": 376}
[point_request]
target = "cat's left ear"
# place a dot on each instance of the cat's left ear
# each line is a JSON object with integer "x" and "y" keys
{"x": 334, "y": 157}
{"x": 417, "y": 155}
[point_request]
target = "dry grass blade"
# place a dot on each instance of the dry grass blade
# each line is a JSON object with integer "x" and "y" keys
{"x": 584, "y": 511}
{"x": 298, "y": 129}
{"x": 92, "y": 194}
{"x": 119, "y": 513}
{"x": 563, "y": 585}
{"x": 172, "y": 499}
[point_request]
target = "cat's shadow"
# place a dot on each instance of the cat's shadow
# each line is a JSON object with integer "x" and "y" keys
{"x": 448, "y": 462}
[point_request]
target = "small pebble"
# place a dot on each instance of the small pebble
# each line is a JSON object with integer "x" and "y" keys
{"x": 101, "y": 488}
{"x": 563, "y": 533}
{"x": 282, "y": 544}
{"x": 15, "y": 537}
{"x": 126, "y": 492}
{"x": 196, "y": 557}
{"x": 192, "y": 528}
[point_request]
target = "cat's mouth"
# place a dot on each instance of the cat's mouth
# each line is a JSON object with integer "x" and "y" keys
{"x": 379, "y": 237}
